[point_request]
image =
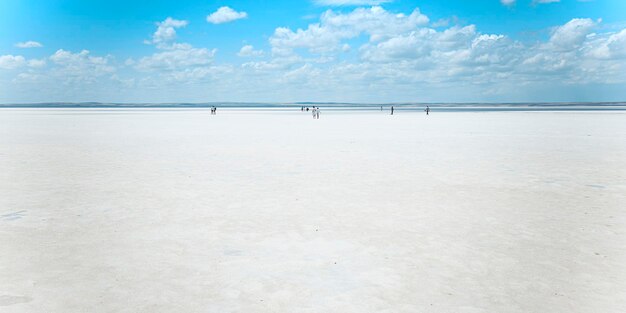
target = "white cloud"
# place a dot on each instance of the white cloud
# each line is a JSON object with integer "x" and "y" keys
{"x": 175, "y": 62}
{"x": 376, "y": 22}
{"x": 400, "y": 56}
{"x": 327, "y": 35}
{"x": 29, "y": 44}
{"x": 80, "y": 66}
{"x": 225, "y": 15}
{"x": 349, "y": 2}
{"x": 67, "y": 76}
{"x": 36, "y": 63}
{"x": 248, "y": 51}
{"x": 67, "y": 58}
{"x": 28, "y": 77}
{"x": 9, "y": 62}
{"x": 613, "y": 47}
{"x": 177, "y": 59}
{"x": 456, "y": 50}
{"x": 276, "y": 64}
{"x": 545, "y": 1}
{"x": 397, "y": 55}
{"x": 507, "y": 2}
{"x": 166, "y": 31}
{"x": 444, "y": 22}
{"x": 572, "y": 34}
{"x": 416, "y": 44}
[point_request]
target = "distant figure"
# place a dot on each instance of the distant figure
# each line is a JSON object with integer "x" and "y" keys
{"x": 307, "y": 109}
{"x": 392, "y": 110}
{"x": 317, "y": 113}
{"x": 427, "y": 110}
{"x": 381, "y": 107}
{"x": 302, "y": 109}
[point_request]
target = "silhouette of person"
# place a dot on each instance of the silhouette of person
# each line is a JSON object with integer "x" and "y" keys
{"x": 392, "y": 110}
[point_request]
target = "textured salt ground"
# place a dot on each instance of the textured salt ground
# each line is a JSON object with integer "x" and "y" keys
{"x": 253, "y": 211}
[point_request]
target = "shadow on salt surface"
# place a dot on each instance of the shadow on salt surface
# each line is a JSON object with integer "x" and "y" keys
{"x": 6, "y": 300}
{"x": 596, "y": 186}
{"x": 13, "y": 216}
{"x": 333, "y": 270}
{"x": 232, "y": 252}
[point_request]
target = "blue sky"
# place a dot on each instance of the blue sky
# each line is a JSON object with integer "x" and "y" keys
{"x": 312, "y": 50}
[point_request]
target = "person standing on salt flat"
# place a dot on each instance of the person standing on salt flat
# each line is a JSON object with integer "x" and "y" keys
{"x": 313, "y": 112}
{"x": 427, "y": 110}
{"x": 317, "y": 113}
{"x": 392, "y": 110}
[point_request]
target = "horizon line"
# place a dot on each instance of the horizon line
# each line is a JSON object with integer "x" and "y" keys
{"x": 301, "y": 103}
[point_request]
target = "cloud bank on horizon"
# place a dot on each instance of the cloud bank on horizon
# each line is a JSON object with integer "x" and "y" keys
{"x": 353, "y": 51}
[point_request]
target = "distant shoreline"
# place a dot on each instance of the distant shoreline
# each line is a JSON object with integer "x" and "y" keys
{"x": 337, "y": 105}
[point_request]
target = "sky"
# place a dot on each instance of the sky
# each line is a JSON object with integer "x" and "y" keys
{"x": 362, "y": 51}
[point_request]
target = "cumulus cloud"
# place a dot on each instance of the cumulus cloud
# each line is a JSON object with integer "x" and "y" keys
{"x": 349, "y": 2}
{"x": 29, "y": 44}
{"x": 611, "y": 47}
{"x": 327, "y": 35}
{"x": 36, "y": 63}
{"x": 166, "y": 31}
{"x": 401, "y": 51}
{"x": 248, "y": 51}
{"x": 572, "y": 34}
{"x": 545, "y": 1}
{"x": 422, "y": 43}
{"x": 81, "y": 65}
{"x": 176, "y": 59}
{"x": 9, "y": 62}
{"x": 400, "y": 56}
{"x": 534, "y": 2}
{"x": 64, "y": 74}
{"x": 224, "y": 15}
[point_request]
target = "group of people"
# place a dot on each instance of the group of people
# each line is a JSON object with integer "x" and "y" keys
{"x": 314, "y": 110}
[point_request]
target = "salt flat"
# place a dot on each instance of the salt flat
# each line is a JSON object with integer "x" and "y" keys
{"x": 146, "y": 210}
